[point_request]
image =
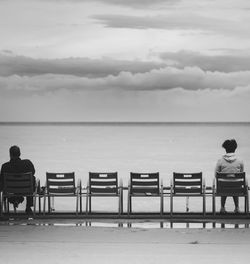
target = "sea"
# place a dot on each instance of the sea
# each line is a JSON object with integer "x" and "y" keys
{"x": 126, "y": 147}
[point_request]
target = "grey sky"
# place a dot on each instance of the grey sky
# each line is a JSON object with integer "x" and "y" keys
{"x": 176, "y": 60}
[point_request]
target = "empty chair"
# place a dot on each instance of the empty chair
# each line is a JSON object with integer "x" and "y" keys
{"x": 61, "y": 185}
{"x": 144, "y": 185}
{"x": 16, "y": 185}
{"x": 230, "y": 184}
{"x": 104, "y": 184}
{"x": 187, "y": 185}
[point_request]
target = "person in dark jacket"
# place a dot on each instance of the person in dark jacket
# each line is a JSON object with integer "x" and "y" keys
{"x": 17, "y": 165}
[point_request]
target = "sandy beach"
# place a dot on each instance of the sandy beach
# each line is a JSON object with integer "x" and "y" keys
{"x": 31, "y": 243}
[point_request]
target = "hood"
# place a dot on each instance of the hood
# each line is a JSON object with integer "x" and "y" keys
{"x": 229, "y": 157}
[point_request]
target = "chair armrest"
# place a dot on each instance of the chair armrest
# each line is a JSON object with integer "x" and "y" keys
{"x": 129, "y": 187}
{"x": 247, "y": 187}
{"x": 37, "y": 186}
{"x": 203, "y": 186}
{"x": 171, "y": 187}
{"x": 213, "y": 186}
{"x": 120, "y": 186}
{"x": 79, "y": 186}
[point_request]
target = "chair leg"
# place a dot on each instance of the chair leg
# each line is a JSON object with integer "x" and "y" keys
{"x": 87, "y": 204}
{"x": 162, "y": 205}
{"x": 90, "y": 204}
{"x": 214, "y": 202}
{"x": 2, "y": 203}
{"x": 8, "y": 205}
{"x": 5, "y": 205}
{"x": 204, "y": 205}
{"x": 49, "y": 208}
{"x": 34, "y": 202}
{"x": 246, "y": 205}
{"x": 122, "y": 202}
{"x": 130, "y": 204}
{"x": 119, "y": 204}
{"x": 80, "y": 203}
{"x": 77, "y": 197}
{"x": 39, "y": 204}
{"x": 44, "y": 204}
{"x": 171, "y": 205}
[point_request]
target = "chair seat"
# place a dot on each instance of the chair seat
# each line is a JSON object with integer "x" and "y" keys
{"x": 188, "y": 194}
{"x": 104, "y": 194}
{"x": 230, "y": 193}
{"x": 145, "y": 194}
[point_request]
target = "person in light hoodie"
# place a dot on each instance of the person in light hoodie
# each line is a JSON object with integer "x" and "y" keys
{"x": 229, "y": 163}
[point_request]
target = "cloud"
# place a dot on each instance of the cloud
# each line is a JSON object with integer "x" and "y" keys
{"x": 139, "y": 3}
{"x": 175, "y": 21}
{"x": 170, "y": 105}
{"x": 82, "y": 67}
{"x": 127, "y": 3}
{"x": 222, "y": 63}
{"x": 164, "y": 79}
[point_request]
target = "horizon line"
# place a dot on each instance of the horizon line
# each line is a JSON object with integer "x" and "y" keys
{"x": 123, "y": 122}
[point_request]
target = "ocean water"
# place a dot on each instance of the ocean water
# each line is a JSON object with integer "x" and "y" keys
{"x": 163, "y": 148}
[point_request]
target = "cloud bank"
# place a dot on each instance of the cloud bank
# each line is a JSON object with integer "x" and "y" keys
{"x": 82, "y": 67}
{"x": 189, "y": 78}
{"x": 175, "y": 21}
{"x": 222, "y": 63}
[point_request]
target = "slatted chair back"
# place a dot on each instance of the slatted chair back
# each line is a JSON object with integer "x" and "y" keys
{"x": 61, "y": 183}
{"x": 231, "y": 184}
{"x": 18, "y": 183}
{"x": 187, "y": 183}
{"x": 103, "y": 183}
{"x": 144, "y": 183}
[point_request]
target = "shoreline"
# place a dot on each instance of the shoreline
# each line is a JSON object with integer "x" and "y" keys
{"x": 81, "y": 244}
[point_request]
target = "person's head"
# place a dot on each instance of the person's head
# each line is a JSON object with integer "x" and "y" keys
{"x": 15, "y": 152}
{"x": 230, "y": 145}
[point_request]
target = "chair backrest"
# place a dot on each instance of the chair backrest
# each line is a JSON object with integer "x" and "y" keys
{"x": 18, "y": 183}
{"x": 230, "y": 184}
{"x": 187, "y": 183}
{"x": 145, "y": 183}
{"x": 103, "y": 183}
{"x": 60, "y": 183}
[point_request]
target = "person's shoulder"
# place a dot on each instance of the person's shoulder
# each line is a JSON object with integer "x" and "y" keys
{"x": 220, "y": 160}
{"x": 27, "y": 161}
{"x": 239, "y": 160}
{"x": 6, "y": 164}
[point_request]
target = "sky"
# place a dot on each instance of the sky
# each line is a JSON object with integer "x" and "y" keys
{"x": 125, "y": 60}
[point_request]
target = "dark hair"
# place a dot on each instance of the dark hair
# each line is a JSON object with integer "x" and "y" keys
{"x": 15, "y": 151}
{"x": 230, "y": 145}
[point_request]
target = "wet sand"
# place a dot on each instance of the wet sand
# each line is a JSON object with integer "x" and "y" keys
{"x": 65, "y": 243}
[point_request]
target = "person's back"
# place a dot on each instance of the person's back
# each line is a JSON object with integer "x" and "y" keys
{"x": 17, "y": 165}
{"x": 229, "y": 163}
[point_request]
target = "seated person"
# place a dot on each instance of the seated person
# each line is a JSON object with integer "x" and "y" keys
{"x": 229, "y": 163}
{"x": 17, "y": 165}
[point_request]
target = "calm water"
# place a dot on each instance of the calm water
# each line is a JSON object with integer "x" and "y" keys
{"x": 124, "y": 148}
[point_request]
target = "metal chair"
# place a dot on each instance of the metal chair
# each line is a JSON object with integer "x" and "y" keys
{"x": 61, "y": 185}
{"x": 187, "y": 185}
{"x": 230, "y": 184}
{"x": 104, "y": 184}
{"x": 144, "y": 185}
{"x": 16, "y": 185}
